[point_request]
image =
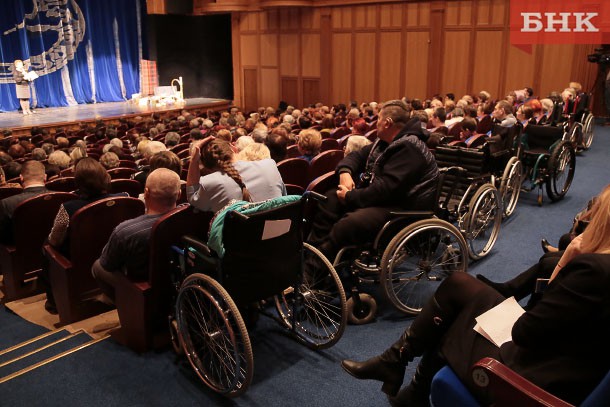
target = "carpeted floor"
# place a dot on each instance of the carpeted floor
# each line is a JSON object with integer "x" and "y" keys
{"x": 286, "y": 373}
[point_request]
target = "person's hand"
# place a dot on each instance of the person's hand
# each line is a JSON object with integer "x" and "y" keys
{"x": 346, "y": 180}
{"x": 198, "y": 145}
{"x": 342, "y": 190}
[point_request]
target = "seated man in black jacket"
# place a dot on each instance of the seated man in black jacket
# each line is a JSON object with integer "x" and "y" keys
{"x": 397, "y": 172}
{"x": 33, "y": 178}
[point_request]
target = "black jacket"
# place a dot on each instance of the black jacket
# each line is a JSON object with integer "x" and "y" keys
{"x": 404, "y": 173}
{"x": 7, "y": 208}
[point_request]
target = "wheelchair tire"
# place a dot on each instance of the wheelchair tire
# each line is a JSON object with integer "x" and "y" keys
{"x": 510, "y": 186}
{"x": 587, "y": 131}
{"x": 319, "y": 304}
{"x": 175, "y": 337}
{"x": 484, "y": 220}
{"x": 363, "y": 313}
{"x": 214, "y": 336}
{"x": 417, "y": 259}
{"x": 561, "y": 168}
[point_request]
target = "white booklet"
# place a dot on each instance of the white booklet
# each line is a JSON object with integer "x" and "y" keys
{"x": 30, "y": 76}
{"x": 497, "y": 323}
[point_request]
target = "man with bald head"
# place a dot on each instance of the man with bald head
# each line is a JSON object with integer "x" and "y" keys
{"x": 127, "y": 249}
{"x": 33, "y": 178}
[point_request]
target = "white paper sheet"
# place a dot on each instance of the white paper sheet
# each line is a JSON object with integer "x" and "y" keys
{"x": 497, "y": 323}
{"x": 275, "y": 228}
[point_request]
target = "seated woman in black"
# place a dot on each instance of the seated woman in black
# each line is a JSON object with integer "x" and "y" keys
{"x": 93, "y": 183}
{"x": 560, "y": 344}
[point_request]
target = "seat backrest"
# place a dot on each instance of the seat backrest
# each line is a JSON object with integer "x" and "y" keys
{"x": 167, "y": 231}
{"x": 371, "y": 134}
{"x": 121, "y": 172}
{"x": 324, "y": 162}
{"x": 63, "y": 184}
{"x": 262, "y": 252}
{"x": 179, "y": 147}
{"x": 32, "y": 222}
{"x": 339, "y": 132}
{"x": 542, "y": 137}
{"x": 329, "y": 144}
{"x": 292, "y": 151}
{"x": 131, "y": 186}
{"x": 128, "y": 164}
{"x": 90, "y": 228}
{"x": 294, "y": 171}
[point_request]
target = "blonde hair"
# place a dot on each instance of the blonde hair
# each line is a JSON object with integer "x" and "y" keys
{"x": 60, "y": 159}
{"x": 576, "y": 86}
{"x": 596, "y": 237}
{"x": 254, "y": 152}
{"x": 310, "y": 142}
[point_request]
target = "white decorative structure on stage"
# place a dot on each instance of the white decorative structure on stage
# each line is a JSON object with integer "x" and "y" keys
{"x": 164, "y": 95}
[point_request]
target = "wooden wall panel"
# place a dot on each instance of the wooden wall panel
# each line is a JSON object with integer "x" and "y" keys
{"x": 365, "y": 16}
{"x": 310, "y": 50}
{"x": 416, "y": 48}
{"x": 390, "y": 66}
{"x": 249, "y": 49}
{"x": 311, "y": 91}
{"x": 290, "y": 91}
{"x": 270, "y": 87}
{"x": 519, "y": 70}
{"x": 386, "y": 50}
{"x": 455, "y": 62}
{"x": 555, "y": 57}
{"x": 341, "y": 68}
{"x": 269, "y": 49}
{"x": 364, "y": 67}
{"x": 289, "y": 54}
{"x": 487, "y": 62}
{"x": 391, "y": 15}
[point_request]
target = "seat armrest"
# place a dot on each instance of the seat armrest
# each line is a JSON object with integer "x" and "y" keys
{"x": 505, "y": 387}
{"x": 56, "y": 257}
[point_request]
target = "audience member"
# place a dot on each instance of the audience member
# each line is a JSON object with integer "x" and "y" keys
{"x": 109, "y": 160}
{"x": 309, "y": 143}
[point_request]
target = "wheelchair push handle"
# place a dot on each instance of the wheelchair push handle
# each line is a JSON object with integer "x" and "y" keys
{"x": 454, "y": 168}
{"x": 311, "y": 194}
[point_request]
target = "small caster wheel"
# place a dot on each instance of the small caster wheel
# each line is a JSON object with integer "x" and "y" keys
{"x": 363, "y": 313}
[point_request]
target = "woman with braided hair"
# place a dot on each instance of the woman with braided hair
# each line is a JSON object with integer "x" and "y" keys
{"x": 227, "y": 178}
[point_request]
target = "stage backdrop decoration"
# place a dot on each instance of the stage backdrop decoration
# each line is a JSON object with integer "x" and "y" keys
{"x": 84, "y": 51}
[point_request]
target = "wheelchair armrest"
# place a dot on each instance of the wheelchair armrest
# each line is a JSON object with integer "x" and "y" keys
{"x": 199, "y": 246}
{"x": 316, "y": 196}
{"x": 412, "y": 214}
{"x": 508, "y": 388}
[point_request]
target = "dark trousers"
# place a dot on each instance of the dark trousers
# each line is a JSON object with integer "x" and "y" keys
{"x": 336, "y": 226}
{"x": 105, "y": 279}
{"x": 524, "y": 284}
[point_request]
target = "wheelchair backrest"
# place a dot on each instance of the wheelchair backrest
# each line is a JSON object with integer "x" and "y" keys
{"x": 262, "y": 252}
{"x": 453, "y": 184}
{"x": 541, "y": 137}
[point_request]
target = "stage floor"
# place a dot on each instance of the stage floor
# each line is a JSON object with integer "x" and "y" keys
{"x": 87, "y": 112}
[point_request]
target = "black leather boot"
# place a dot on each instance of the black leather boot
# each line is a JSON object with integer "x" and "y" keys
{"x": 389, "y": 367}
{"x": 417, "y": 393}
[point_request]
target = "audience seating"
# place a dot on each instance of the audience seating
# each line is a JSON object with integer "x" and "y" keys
{"x": 505, "y": 387}
{"x": 131, "y": 186}
{"x": 143, "y": 306}
{"x": 323, "y": 163}
{"x": 68, "y": 172}
{"x": 329, "y": 144}
{"x": 371, "y": 134}
{"x": 293, "y": 151}
{"x": 294, "y": 171}
{"x": 292, "y": 189}
{"x": 179, "y": 147}
{"x": 128, "y": 164}
{"x": 73, "y": 285}
{"x": 340, "y": 132}
{"x": 20, "y": 262}
{"x": 62, "y": 184}
{"x": 121, "y": 172}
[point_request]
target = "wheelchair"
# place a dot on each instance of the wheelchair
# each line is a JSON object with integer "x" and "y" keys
{"x": 548, "y": 159}
{"x": 256, "y": 268}
{"x": 578, "y": 124}
{"x": 415, "y": 250}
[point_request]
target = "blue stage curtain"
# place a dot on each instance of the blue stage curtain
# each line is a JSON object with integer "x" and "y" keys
{"x": 83, "y": 50}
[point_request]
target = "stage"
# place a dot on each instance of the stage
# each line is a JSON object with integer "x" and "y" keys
{"x": 72, "y": 116}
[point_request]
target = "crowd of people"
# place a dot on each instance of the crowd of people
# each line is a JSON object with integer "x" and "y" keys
{"x": 218, "y": 157}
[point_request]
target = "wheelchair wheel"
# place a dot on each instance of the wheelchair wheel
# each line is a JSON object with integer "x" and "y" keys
{"x": 561, "y": 167}
{"x": 214, "y": 336}
{"x": 587, "y": 131}
{"x": 417, "y": 259}
{"x": 362, "y": 313}
{"x": 317, "y": 308}
{"x": 484, "y": 220}
{"x": 510, "y": 187}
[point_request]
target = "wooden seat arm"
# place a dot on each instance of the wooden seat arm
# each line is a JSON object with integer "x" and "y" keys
{"x": 508, "y": 388}
{"x": 56, "y": 257}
